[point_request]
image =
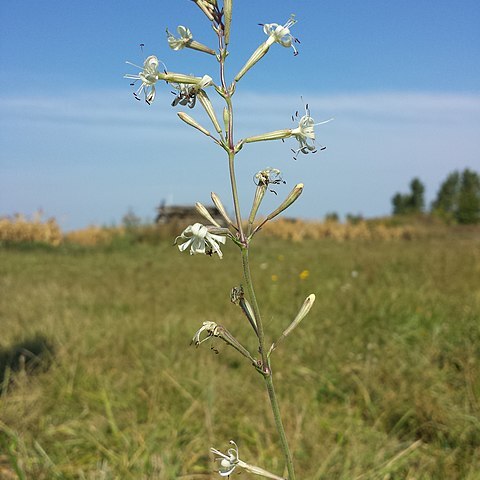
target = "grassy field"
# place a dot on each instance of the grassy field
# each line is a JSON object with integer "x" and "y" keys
{"x": 380, "y": 381}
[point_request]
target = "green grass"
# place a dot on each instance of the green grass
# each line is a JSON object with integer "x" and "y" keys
{"x": 380, "y": 381}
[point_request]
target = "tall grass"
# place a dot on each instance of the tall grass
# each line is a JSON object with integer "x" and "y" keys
{"x": 21, "y": 229}
{"x": 382, "y": 380}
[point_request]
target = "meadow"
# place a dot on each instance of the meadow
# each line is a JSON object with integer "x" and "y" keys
{"x": 380, "y": 381}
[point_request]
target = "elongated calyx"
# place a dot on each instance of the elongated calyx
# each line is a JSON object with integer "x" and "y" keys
{"x": 302, "y": 313}
{"x": 292, "y": 196}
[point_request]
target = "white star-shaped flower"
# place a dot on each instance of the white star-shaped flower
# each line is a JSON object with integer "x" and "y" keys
{"x": 209, "y": 327}
{"x": 276, "y": 34}
{"x": 305, "y": 132}
{"x": 200, "y": 240}
{"x": 269, "y": 176}
{"x": 148, "y": 76}
{"x": 228, "y": 462}
{"x": 181, "y": 42}
{"x": 281, "y": 34}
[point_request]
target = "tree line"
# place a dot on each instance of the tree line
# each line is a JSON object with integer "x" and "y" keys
{"x": 458, "y": 198}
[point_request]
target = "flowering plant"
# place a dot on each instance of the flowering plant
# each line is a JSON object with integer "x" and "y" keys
{"x": 206, "y": 239}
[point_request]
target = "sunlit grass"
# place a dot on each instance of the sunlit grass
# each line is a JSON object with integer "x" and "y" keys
{"x": 381, "y": 380}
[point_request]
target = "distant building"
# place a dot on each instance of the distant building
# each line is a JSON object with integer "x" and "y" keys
{"x": 185, "y": 214}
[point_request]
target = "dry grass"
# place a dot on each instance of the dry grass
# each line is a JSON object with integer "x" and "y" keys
{"x": 299, "y": 230}
{"x": 21, "y": 229}
{"x": 94, "y": 236}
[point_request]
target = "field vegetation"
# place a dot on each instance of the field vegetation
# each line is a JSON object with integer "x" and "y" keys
{"x": 381, "y": 381}
{"x": 22, "y": 230}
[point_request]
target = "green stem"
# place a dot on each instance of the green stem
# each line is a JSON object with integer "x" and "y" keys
{"x": 267, "y": 373}
{"x": 279, "y": 424}
{"x": 256, "y": 310}
{"x": 230, "y": 143}
{"x": 236, "y": 203}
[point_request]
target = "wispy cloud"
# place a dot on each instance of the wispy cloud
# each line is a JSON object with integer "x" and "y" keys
{"x": 119, "y": 106}
{"x": 112, "y": 108}
{"x": 105, "y": 141}
{"x": 374, "y": 106}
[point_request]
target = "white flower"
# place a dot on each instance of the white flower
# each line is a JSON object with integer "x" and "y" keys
{"x": 269, "y": 176}
{"x": 148, "y": 76}
{"x": 200, "y": 240}
{"x": 209, "y": 327}
{"x": 305, "y": 132}
{"x": 181, "y": 42}
{"x": 276, "y": 34}
{"x": 281, "y": 34}
{"x": 228, "y": 462}
{"x": 186, "y": 40}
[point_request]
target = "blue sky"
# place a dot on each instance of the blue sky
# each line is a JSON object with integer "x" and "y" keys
{"x": 402, "y": 80}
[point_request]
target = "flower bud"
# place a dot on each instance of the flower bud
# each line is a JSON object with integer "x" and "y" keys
{"x": 227, "y": 14}
{"x": 226, "y": 118}
{"x": 202, "y": 210}
{"x": 218, "y": 203}
{"x": 207, "y": 105}
{"x": 249, "y": 313}
{"x": 292, "y": 196}
{"x": 302, "y": 313}
{"x": 193, "y": 123}
{"x": 257, "y": 55}
{"x": 207, "y": 7}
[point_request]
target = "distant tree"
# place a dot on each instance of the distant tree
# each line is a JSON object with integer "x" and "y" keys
{"x": 332, "y": 217}
{"x": 447, "y": 197}
{"x": 354, "y": 219}
{"x": 469, "y": 198}
{"x": 399, "y": 203}
{"x": 459, "y": 197}
{"x": 413, "y": 202}
{"x": 417, "y": 198}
